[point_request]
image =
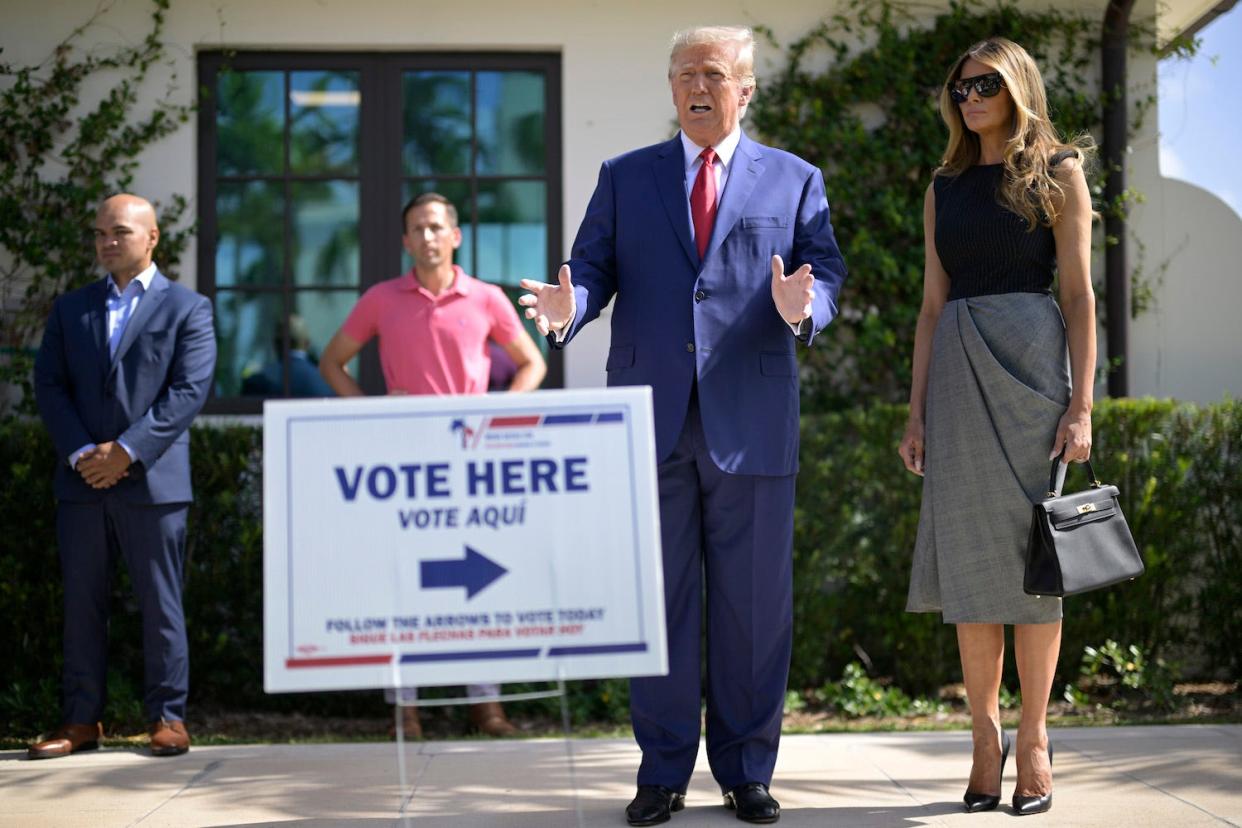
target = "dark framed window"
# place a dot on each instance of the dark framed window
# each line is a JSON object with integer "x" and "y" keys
{"x": 305, "y": 160}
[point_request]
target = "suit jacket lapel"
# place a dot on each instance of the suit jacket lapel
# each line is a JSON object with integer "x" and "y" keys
{"x": 98, "y": 317}
{"x": 670, "y": 175}
{"x": 146, "y": 306}
{"x": 746, "y": 169}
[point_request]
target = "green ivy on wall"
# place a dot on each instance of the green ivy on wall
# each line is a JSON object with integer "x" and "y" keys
{"x": 871, "y": 121}
{"x": 59, "y": 158}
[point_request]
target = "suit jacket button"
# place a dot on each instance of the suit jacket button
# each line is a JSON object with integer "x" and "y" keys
{"x": 690, "y": 347}
{"x": 700, "y": 295}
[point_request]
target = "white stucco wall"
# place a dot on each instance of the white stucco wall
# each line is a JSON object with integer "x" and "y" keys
{"x": 615, "y": 98}
{"x": 1188, "y": 345}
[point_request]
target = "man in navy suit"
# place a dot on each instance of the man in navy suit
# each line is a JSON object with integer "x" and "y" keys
{"x": 125, "y": 365}
{"x": 690, "y": 236}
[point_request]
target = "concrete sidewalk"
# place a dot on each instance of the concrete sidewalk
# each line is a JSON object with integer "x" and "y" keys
{"x": 1166, "y": 776}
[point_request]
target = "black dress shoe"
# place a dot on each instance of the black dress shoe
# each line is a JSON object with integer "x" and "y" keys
{"x": 753, "y": 803}
{"x": 1027, "y": 805}
{"x": 653, "y": 804}
{"x": 976, "y": 802}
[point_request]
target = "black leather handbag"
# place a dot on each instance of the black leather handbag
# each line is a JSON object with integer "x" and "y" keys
{"x": 1079, "y": 542}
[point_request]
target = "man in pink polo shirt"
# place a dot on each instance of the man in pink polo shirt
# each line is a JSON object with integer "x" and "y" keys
{"x": 434, "y": 324}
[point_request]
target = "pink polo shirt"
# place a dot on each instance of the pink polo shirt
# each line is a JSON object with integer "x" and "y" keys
{"x": 434, "y": 344}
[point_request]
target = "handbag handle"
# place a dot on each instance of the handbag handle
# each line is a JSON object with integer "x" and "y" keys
{"x": 1052, "y": 477}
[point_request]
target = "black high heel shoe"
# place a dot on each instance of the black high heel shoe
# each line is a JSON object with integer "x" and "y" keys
{"x": 1027, "y": 805}
{"x": 976, "y": 802}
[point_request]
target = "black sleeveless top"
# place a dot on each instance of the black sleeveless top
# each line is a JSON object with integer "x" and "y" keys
{"x": 984, "y": 247}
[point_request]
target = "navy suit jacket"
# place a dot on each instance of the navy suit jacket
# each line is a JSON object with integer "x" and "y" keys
{"x": 678, "y": 320}
{"x": 147, "y": 395}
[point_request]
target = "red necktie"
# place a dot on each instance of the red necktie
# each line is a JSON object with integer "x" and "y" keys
{"x": 703, "y": 202}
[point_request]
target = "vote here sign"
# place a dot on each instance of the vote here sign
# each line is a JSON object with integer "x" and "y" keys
{"x": 417, "y": 541}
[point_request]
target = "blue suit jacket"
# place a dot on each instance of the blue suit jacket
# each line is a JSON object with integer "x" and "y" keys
{"x": 147, "y": 395}
{"x": 678, "y": 319}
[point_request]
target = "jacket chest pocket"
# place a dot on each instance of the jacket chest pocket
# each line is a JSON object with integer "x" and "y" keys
{"x": 760, "y": 223}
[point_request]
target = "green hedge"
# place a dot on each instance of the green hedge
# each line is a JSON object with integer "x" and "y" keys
{"x": 1178, "y": 467}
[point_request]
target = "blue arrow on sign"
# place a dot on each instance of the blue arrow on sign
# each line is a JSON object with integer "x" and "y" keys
{"x": 474, "y": 572}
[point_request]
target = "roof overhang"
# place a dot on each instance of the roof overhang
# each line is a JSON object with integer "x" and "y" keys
{"x": 1177, "y": 18}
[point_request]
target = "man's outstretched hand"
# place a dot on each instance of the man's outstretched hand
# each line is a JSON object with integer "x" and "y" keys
{"x": 550, "y": 306}
{"x": 792, "y": 294}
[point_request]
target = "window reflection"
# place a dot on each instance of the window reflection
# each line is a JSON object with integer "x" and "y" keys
{"x": 300, "y": 359}
{"x": 323, "y": 313}
{"x": 510, "y": 123}
{"x": 325, "y": 232}
{"x": 250, "y": 123}
{"x": 323, "y": 130}
{"x": 245, "y": 323}
{"x": 250, "y": 233}
{"x": 513, "y": 241}
{"x": 436, "y": 108}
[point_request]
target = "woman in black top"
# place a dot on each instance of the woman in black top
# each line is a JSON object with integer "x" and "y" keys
{"x": 997, "y": 384}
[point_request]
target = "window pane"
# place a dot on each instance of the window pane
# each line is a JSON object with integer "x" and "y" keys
{"x": 250, "y": 233}
{"x": 250, "y": 122}
{"x": 457, "y": 192}
{"x": 325, "y": 232}
{"x": 323, "y": 114}
{"x": 510, "y": 123}
{"x": 246, "y": 325}
{"x": 320, "y": 313}
{"x": 436, "y": 115}
{"x": 513, "y": 239}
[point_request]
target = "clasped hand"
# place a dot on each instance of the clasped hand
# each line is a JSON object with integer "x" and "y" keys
{"x": 104, "y": 465}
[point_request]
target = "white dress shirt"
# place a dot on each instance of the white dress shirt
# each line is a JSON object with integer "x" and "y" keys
{"x": 720, "y": 166}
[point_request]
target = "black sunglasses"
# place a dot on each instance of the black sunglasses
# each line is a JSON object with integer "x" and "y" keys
{"x": 986, "y": 85}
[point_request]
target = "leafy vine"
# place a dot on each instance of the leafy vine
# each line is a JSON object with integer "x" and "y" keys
{"x": 61, "y": 156}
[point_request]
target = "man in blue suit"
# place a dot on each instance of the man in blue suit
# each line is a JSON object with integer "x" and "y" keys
{"x": 125, "y": 365}
{"x": 690, "y": 236}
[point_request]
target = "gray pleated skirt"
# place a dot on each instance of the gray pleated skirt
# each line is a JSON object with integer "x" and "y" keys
{"x": 997, "y": 386}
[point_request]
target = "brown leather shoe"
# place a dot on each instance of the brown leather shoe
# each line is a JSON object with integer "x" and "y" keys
{"x": 168, "y": 738}
{"x": 489, "y": 718}
{"x": 410, "y": 723}
{"x": 67, "y": 739}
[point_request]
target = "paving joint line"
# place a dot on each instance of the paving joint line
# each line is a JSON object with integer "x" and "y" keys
{"x": 1128, "y": 775}
{"x": 402, "y": 816}
{"x": 926, "y": 806}
{"x": 202, "y": 774}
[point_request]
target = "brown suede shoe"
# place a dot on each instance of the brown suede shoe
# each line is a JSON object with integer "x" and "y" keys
{"x": 67, "y": 739}
{"x": 168, "y": 738}
{"x": 489, "y": 719}
{"x": 410, "y": 723}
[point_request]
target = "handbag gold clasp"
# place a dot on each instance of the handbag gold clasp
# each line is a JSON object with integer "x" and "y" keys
{"x": 1085, "y": 508}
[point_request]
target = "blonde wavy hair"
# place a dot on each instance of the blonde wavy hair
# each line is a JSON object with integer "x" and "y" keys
{"x": 1029, "y": 187}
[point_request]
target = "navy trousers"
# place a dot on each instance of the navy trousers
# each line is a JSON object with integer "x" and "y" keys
{"x": 734, "y": 533}
{"x": 151, "y": 538}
